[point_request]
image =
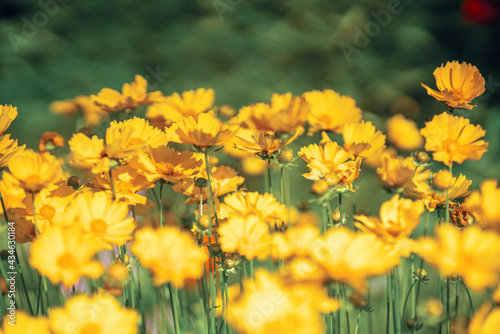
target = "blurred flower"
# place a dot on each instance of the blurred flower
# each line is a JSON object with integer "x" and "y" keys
{"x": 363, "y": 139}
{"x": 25, "y": 324}
{"x": 100, "y": 313}
{"x": 50, "y": 141}
{"x": 485, "y": 204}
{"x": 170, "y": 254}
{"x": 470, "y": 253}
{"x": 485, "y": 320}
{"x": 453, "y": 138}
{"x": 12, "y": 193}
{"x": 65, "y": 255}
{"x": 264, "y": 143}
{"x": 8, "y": 150}
{"x": 394, "y": 172}
{"x": 295, "y": 242}
{"x": 403, "y": 133}
{"x": 458, "y": 84}
{"x": 330, "y": 111}
{"x": 92, "y": 114}
{"x": 7, "y": 114}
{"x": 132, "y": 96}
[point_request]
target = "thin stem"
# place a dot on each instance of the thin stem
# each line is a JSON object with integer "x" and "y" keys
{"x": 161, "y": 204}
{"x": 468, "y": 295}
{"x": 388, "y": 304}
{"x": 270, "y": 185}
{"x": 406, "y": 299}
{"x": 456, "y": 296}
{"x": 395, "y": 300}
{"x": 340, "y": 209}
{"x": 346, "y": 312}
{"x": 112, "y": 183}
{"x": 415, "y": 314}
{"x": 209, "y": 181}
{"x": 172, "y": 304}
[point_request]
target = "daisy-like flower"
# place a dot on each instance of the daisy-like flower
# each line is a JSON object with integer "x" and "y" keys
{"x": 394, "y": 172}
{"x": 8, "y": 150}
{"x": 485, "y": 204}
{"x": 175, "y": 107}
{"x": 13, "y": 195}
{"x": 295, "y": 242}
{"x": 204, "y": 132}
{"x": 363, "y": 139}
{"x": 469, "y": 253}
{"x": 98, "y": 215}
{"x": 485, "y": 320}
{"x": 100, "y": 313}
{"x": 330, "y": 111}
{"x": 64, "y": 255}
{"x": 132, "y": 96}
{"x": 25, "y": 324}
{"x": 453, "y": 139}
{"x": 170, "y": 254}
{"x": 403, "y": 133}
{"x": 92, "y": 114}
{"x": 419, "y": 187}
{"x": 263, "y": 143}
{"x": 458, "y": 84}
{"x": 7, "y": 114}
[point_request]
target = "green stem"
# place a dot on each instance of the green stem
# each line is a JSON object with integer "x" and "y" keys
{"x": 112, "y": 184}
{"x": 209, "y": 181}
{"x": 340, "y": 209}
{"x": 395, "y": 300}
{"x": 269, "y": 180}
{"x": 173, "y": 305}
{"x": 457, "y": 292}
{"x": 406, "y": 299}
{"x": 468, "y": 295}
{"x": 344, "y": 306}
{"x": 415, "y": 314}
{"x": 161, "y": 204}
{"x": 388, "y": 304}
{"x": 36, "y": 231}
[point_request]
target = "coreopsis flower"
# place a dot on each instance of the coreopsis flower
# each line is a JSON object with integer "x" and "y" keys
{"x": 25, "y": 324}
{"x": 92, "y": 114}
{"x": 485, "y": 320}
{"x": 175, "y": 107}
{"x": 398, "y": 218}
{"x": 96, "y": 214}
{"x": 458, "y": 84}
{"x": 263, "y": 143}
{"x": 268, "y": 305}
{"x": 284, "y": 114}
{"x": 330, "y": 111}
{"x": 34, "y": 171}
{"x": 247, "y": 236}
{"x": 8, "y": 150}
{"x": 453, "y": 139}
{"x": 363, "y": 139}
{"x": 485, "y": 204}
{"x": 469, "y": 253}
{"x": 349, "y": 257}
{"x": 12, "y": 193}
{"x": 165, "y": 163}
{"x": 170, "y": 254}
{"x": 295, "y": 242}
{"x": 100, "y": 313}
{"x": 250, "y": 164}
{"x": 394, "y": 172}
{"x": 7, "y": 114}
{"x": 132, "y": 96}
{"x": 64, "y": 255}
{"x": 419, "y": 187}
{"x": 403, "y": 133}
{"x": 50, "y": 141}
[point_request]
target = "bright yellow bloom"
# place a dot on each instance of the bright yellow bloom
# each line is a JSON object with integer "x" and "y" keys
{"x": 12, "y": 193}
{"x": 394, "y": 172}
{"x": 35, "y": 171}
{"x": 175, "y": 107}
{"x": 403, "y": 133}
{"x": 100, "y": 313}
{"x": 458, "y": 84}
{"x": 485, "y": 320}
{"x": 263, "y": 143}
{"x": 98, "y": 215}
{"x": 8, "y": 150}
{"x": 267, "y": 305}
{"x": 470, "y": 253}
{"x": 294, "y": 242}
{"x": 65, "y": 255}
{"x": 453, "y": 138}
{"x": 331, "y": 111}
{"x": 92, "y": 114}
{"x": 486, "y": 204}
{"x": 248, "y": 236}
{"x": 7, "y": 114}
{"x": 419, "y": 188}
{"x": 206, "y": 131}
{"x": 132, "y": 96}
{"x": 26, "y": 324}
{"x": 170, "y": 254}
{"x": 363, "y": 139}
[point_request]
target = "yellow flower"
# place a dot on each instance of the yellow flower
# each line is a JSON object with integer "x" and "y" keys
{"x": 175, "y": 107}
{"x": 132, "y": 96}
{"x": 8, "y": 150}
{"x": 394, "y": 172}
{"x": 363, "y": 139}
{"x": 248, "y": 236}
{"x": 331, "y": 111}
{"x": 65, "y": 255}
{"x": 92, "y": 114}
{"x": 88, "y": 153}
{"x": 458, "y": 84}
{"x": 294, "y": 242}
{"x": 25, "y": 324}
{"x": 263, "y": 143}
{"x": 100, "y": 313}
{"x": 12, "y": 193}
{"x": 485, "y": 320}
{"x": 470, "y": 253}
{"x": 34, "y": 171}
{"x": 403, "y": 133}
{"x": 165, "y": 163}
{"x": 485, "y": 204}
{"x": 453, "y": 138}
{"x": 7, "y": 114}
{"x": 206, "y": 131}
{"x": 170, "y": 254}
{"x": 98, "y": 215}
{"x": 419, "y": 188}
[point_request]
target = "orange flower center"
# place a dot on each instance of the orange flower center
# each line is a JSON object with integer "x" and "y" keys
{"x": 32, "y": 183}
{"x": 165, "y": 168}
{"x": 98, "y": 226}
{"x": 451, "y": 145}
{"x": 47, "y": 211}
{"x": 135, "y": 141}
{"x": 458, "y": 95}
{"x": 67, "y": 261}
{"x": 90, "y": 328}
{"x": 124, "y": 187}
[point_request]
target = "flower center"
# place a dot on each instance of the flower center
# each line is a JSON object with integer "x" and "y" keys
{"x": 451, "y": 145}
{"x": 47, "y": 211}
{"x": 165, "y": 168}
{"x": 67, "y": 261}
{"x": 32, "y": 183}
{"x": 124, "y": 187}
{"x": 458, "y": 95}
{"x": 90, "y": 328}
{"x": 135, "y": 141}
{"x": 98, "y": 226}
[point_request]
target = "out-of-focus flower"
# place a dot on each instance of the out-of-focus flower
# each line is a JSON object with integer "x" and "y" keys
{"x": 8, "y": 150}
{"x": 330, "y": 111}
{"x": 485, "y": 320}
{"x": 132, "y": 96}
{"x": 92, "y": 114}
{"x": 470, "y": 253}
{"x": 295, "y": 242}
{"x": 403, "y": 133}
{"x": 485, "y": 204}
{"x": 363, "y": 139}
{"x": 453, "y": 139}
{"x": 7, "y": 114}
{"x": 170, "y": 254}
{"x": 50, "y": 141}
{"x": 265, "y": 144}
{"x": 394, "y": 172}
{"x": 100, "y": 313}
{"x": 458, "y": 84}
{"x": 12, "y": 193}
{"x": 65, "y": 255}
{"x": 25, "y": 324}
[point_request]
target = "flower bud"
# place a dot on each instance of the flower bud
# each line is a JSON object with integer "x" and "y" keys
{"x": 74, "y": 182}
{"x": 422, "y": 157}
{"x": 200, "y": 182}
{"x": 205, "y": 222}
{"x": 320, "y": 187}
{"x": 332, "y": 179}
{"x": 214, "y": 250}
{"x": 285, "y": 155}
{"x": 420, "y": 273}
{"x": 336, "y": 216}
{"x": 442, "y": 179}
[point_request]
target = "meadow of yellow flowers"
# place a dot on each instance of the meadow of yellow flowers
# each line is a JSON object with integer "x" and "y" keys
{"x": 141, "y": 228}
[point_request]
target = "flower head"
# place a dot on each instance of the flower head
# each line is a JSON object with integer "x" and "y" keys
{"x": 394, "y": 172}
{"x": 403, "y": 133}
{"x": 263, "y": 143}
{"x": 485, "y": 320}
{"x": 485, "y": 204}
{"x": 7, "y": 114}
{"x": 92, "y": 114}
{"x": 363, "y": 139}
{"x": 8, "y": 150}
{"x": 25, "y": 324}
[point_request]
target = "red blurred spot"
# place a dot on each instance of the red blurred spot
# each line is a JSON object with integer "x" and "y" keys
{"x": 481, "y": 11}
